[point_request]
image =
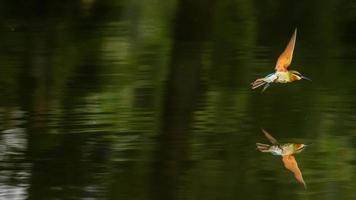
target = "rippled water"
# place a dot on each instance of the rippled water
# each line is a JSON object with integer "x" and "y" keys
{"x": 152, "y": 99}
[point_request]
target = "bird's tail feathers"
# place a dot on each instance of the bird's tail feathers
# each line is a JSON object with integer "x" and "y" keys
{"x": 263, "y": 147}
{"x": 258, "y": 83}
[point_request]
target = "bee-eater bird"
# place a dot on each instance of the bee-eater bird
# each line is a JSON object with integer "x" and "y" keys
{"x": 287, "y": 152}
{"x": 282, "y": 75}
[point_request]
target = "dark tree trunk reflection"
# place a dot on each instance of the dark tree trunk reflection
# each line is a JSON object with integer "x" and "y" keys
{"x": 192, "y": 22}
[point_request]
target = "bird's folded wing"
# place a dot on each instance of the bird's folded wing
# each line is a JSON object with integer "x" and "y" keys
{"x": 285, "y": 59}
{"x": 291, "y": 164}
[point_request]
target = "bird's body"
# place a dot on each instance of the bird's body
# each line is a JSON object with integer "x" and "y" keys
{"x": 280, "y": 150}
{"x": 287, "y": 152}
{"x": 281, "y": 74}
{"x": 283, "y": 77}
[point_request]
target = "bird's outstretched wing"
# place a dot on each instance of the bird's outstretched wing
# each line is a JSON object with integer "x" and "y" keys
{"x": 285, "y": 59}
{"x": 270, "y": 138}
{"x": 291, "y": 164}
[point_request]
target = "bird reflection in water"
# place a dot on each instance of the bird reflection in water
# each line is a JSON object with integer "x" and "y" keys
{"x": 287, "y": 152}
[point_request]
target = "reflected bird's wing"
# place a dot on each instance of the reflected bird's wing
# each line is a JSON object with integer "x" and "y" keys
{"x": 285, "y": 59}
{"x": 291, "y": 164}
{"x": 270, "y": 138}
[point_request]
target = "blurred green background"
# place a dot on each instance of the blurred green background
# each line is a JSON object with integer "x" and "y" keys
{"x": 128, "y": 99}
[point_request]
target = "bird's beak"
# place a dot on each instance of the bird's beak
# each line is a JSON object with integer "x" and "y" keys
{"x": 306, "y": 78}
{"x": 308, "y": 144}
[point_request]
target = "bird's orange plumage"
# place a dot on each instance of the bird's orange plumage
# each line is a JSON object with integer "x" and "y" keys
{"x": 291, "y": 164}
{"x": 285, "y": 59}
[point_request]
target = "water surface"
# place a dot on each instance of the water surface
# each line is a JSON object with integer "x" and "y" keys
{"x": 152, "y": 100}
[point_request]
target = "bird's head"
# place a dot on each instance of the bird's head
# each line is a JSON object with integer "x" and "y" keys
{"x": 296, "y": 76}
{"x": 299, "y": 147}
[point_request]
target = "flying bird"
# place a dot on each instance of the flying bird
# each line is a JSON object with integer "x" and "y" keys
{"x": 281, "y": 74}
{"x": 287, "y": 152}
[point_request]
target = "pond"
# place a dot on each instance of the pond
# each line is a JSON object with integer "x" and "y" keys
{"x": 152, "y": 100}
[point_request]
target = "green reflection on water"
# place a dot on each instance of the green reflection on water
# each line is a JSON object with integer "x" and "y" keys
{"x": 151, "y": 100}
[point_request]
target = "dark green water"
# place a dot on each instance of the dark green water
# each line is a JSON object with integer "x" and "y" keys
{"x": 151, "y": 99}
